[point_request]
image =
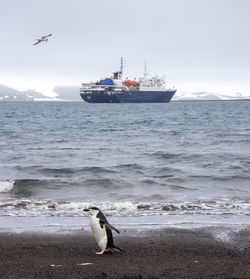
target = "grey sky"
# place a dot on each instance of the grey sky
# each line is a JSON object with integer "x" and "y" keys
{"x": 197, "y": 44}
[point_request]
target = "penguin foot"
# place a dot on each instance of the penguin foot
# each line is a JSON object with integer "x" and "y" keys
{"x": 108, "y": 250}
{"x": 100, "y": 253}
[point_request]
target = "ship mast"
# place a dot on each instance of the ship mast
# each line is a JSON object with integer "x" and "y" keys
{"x": 145, "y": 69}
{"x": 118, "y": 74}
{"x": 121, "y": 68}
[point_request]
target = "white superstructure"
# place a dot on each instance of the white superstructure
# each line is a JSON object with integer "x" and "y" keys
{"x": 148, "y": 83}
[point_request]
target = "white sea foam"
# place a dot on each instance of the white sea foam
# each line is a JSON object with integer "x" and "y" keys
{"x": 226, "y": 234}
{"x": 37, "y": 207}
{"x": 6, "y": 186}
{"x": 78, "y": 207}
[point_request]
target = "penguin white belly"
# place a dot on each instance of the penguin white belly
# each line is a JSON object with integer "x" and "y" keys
{"x": 99, "y": 233}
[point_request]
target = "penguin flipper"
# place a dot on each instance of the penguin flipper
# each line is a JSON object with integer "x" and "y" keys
{"x": 111, "y": 227}
{"x": 102, "y": 222}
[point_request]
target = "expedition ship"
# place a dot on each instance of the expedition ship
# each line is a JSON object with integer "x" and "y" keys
{"x": 115, "y": 90}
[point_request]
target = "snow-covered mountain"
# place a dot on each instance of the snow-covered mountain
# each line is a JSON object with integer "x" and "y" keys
{"x": 206, "y": 96}
{"x": 10, "y": 94}
{"x": 65, "y": 93}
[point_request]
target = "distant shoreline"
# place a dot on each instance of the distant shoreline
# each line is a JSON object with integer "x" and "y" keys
{"x": 52, "y": 100}
{"x": 220, "y": 100}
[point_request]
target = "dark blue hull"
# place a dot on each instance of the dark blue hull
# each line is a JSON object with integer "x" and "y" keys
{"x": 129, "y": 97}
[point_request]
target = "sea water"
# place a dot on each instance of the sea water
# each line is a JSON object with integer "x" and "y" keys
{"x": 148, "y": 165}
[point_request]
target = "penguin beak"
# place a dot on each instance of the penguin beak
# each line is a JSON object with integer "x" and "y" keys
{"x": 86, "y": 209}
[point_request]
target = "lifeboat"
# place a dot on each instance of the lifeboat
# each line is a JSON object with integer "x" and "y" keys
{"x": 129, "y": 82}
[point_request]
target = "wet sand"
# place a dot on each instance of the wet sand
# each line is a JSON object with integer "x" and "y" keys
{"x": 170, "y": 253}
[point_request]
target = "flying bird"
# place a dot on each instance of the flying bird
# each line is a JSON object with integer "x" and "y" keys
{"x": 42, "y": 39}
{"x": 102, "y": 230}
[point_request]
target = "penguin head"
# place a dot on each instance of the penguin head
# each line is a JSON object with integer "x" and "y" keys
{"x": 92, "y": 210}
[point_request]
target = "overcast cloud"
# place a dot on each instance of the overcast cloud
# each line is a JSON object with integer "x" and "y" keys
{"x": 199, "y": 45}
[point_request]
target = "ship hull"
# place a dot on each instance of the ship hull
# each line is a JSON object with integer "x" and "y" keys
{"x": 129, "y": 97}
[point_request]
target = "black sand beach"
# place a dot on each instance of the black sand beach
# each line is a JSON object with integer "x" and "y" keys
{"x": 170, "y": 253}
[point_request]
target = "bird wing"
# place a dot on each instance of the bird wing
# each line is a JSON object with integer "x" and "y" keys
{"x": 103, "y": 222}
{"x": 44, "y": 37}
{"x": 38, "y": 41}
{"x": 111, "y": 227}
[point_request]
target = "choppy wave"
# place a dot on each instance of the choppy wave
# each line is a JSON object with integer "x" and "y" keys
{"x": 26, "y": 207}
{"x": 127, "y": 160}
{"x": 6, "y": 186}
{"x": 166, "y": 155}
{"x": 56, "y": 171}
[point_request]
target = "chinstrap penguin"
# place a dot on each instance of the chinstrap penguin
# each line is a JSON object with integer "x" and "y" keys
{"x": 102, "y": 230}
